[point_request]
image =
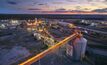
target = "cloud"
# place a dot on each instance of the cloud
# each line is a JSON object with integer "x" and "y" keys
{"x": 60, "y": 9}
{"x": 78, "y": 7}
{"x": 100, "y": 10}
{"x": 86, "y": 8}
{"x": 12, "y": 2}
{"x": 90, "y": 0}
{"x": 71, "y": 0}
{"x": 41, "y": 4}
{"x": 34, "y": 9}
{"x": 34, "y": 3}
{"x": 12, "y": 11}
{"x": 57, "y": 2}
{"x": 52, "y": 5}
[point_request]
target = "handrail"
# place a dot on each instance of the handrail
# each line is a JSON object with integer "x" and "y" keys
{"x": 44, "y": 53}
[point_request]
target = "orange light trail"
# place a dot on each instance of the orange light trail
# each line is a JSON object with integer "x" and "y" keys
{"x": 49, "y": 50}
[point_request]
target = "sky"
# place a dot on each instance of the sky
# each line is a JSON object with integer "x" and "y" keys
{"x": 37, "y": 6}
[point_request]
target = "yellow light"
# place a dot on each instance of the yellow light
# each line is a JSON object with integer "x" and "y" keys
{"x": 71, "y": 26}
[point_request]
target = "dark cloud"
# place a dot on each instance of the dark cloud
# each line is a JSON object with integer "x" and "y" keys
{"x": 34, "y": 9}
{"x": 12, "y": 2}
{"x": 86, "y": 9}
{"x": 100, "y": 10}
{"x": 41, "y": 4}
{"x": 60, "y": 9}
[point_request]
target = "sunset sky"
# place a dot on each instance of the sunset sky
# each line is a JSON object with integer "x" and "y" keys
{"x": 35, "y": 6}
